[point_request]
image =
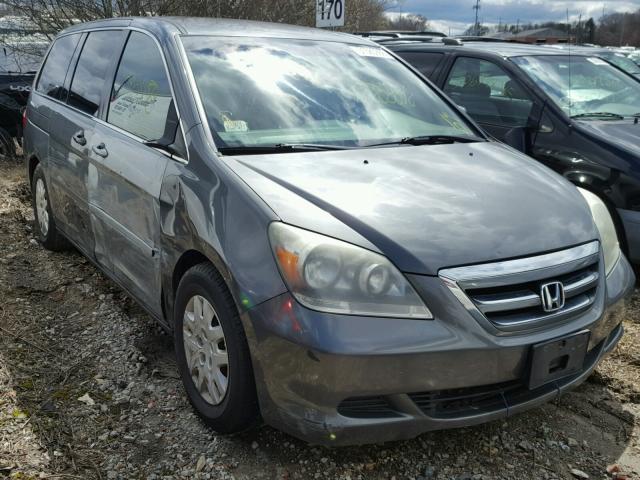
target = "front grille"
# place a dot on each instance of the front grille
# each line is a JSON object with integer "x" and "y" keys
{"x": 508, "y": 294}
{"x": 367, "y": 407}
{"x": 517, "y": 304}
{"x": 464, "y": 401}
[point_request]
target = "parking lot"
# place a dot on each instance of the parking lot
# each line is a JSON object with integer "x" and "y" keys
{"x": 89, "y": 389}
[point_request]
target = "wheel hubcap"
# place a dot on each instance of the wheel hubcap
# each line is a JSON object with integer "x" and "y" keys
{"x": 41, "y": 207}
{"x": 205, "y": 349}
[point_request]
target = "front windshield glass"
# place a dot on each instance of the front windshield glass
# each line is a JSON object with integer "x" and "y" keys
{"x": 583, "y": 85}
{"x": 266, "y": 92}
{"x": 621, "y": 61}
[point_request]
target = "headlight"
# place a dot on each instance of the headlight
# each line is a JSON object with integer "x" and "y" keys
{"x": 332, "y": 276}
{"x": 606, "y": 227}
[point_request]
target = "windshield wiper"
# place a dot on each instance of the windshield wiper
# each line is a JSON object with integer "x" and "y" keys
{"x": 279, "y": 148}
{"x": 430, "y": 140}
{"x": 598, "y": 115}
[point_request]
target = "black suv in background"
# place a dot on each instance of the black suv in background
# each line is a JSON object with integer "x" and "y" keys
{"x": 18, "y": 66}
{"x": 576, "y": 113}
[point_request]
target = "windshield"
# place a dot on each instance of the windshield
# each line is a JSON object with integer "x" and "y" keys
{"x": 621, "y": 61}
{"x": 261, "y": 92}
{"x": 583, "y": 85}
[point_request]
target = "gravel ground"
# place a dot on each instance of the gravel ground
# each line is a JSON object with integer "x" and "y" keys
{"x": 89, "y": 390}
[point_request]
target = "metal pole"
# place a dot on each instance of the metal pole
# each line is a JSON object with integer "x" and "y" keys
{"x": 477, "y": 26}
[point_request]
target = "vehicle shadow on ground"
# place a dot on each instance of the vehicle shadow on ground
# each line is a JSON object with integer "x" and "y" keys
{"x": 67, "y": 331}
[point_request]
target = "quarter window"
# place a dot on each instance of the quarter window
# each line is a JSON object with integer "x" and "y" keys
{"x": 488, "y": 93}
{"x": 54, "y": 71}
{"x": 91, "y": 71}
{"x": 141, "y": 95}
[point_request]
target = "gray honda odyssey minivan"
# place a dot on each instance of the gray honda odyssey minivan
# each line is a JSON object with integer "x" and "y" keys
{"x": 337, "y": 249}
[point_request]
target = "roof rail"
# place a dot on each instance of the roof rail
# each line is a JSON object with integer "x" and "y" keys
{"x": 451, "y": 41}
{"x": 475, "y": 38}
{"x": 415, "y": 39}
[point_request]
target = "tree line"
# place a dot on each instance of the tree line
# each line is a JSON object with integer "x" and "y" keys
{"x": 613, "y": 29}
{"x": 51, "y": 16}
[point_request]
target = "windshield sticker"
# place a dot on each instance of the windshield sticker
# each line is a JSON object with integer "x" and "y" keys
{"x": 233, "y": 125}
{"x": 370, "y": 52}
{"x": 596, "y": 61}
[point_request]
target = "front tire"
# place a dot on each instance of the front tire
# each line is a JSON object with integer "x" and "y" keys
{"x": 212, "y": 352}
{"x": 45, "y": 226}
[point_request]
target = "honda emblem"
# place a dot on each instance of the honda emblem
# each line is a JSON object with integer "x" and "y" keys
{"x": 552, "y": 296}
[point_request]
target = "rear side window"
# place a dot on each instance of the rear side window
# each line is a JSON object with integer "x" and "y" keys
{"x": 54, "y": 71}
{"x": 89, "y": 78}
{"x": 425, "y": 62}
{"x": 489, "y": 94}
{"x": 141, "y": 95}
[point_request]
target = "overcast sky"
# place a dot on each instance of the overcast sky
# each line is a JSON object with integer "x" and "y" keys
{"x": 459, "y": 14}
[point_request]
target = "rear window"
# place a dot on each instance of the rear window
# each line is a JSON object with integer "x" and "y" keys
{"x": 426, "y": 63}
{"x": 89, "y": 78}
{"x": 54, "y": 71}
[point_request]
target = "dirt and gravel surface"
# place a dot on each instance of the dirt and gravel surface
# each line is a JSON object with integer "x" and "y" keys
{"x": 89, "y": 390}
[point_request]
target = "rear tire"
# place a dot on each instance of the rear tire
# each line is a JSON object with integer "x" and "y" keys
{"x": 212, "y": 352}
{"x": 45, "y": 226}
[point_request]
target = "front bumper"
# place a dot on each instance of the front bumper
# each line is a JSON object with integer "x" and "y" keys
{"x": 341, "y": 380}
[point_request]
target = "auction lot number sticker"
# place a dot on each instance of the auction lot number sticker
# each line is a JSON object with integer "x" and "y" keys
{"x": 330, "y": 13}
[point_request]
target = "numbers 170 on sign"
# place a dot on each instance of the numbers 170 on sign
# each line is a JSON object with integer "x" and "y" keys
{"x": 330, "y": 13}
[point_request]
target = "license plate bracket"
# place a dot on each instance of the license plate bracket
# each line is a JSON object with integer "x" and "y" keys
{"x": 558, "y": 358}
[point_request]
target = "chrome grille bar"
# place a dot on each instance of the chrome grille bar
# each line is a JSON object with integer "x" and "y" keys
{"x": 504, "y": 301}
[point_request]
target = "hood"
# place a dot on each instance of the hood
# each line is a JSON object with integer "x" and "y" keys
{"x": 425, "y": 207}
{"x": 624, "y": 134}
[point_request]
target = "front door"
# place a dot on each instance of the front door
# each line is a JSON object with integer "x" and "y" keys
{"x": 491, "y": 96}
{"x": 125, "y": 175}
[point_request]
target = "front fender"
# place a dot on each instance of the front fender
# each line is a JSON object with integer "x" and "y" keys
{"x": 206, "y": 208}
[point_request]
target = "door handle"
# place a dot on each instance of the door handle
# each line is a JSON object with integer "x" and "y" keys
{"x": 100, "y": 150}
{"x": 79, "y": 138}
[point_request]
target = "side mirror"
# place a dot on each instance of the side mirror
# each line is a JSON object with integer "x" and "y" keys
{"x": 171, "y": 141}
{"x": 171, "y": 127}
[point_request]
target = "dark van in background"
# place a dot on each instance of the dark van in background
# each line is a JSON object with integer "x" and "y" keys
{"x": 576, "y": 113}
{"x": 18, "y": 66}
